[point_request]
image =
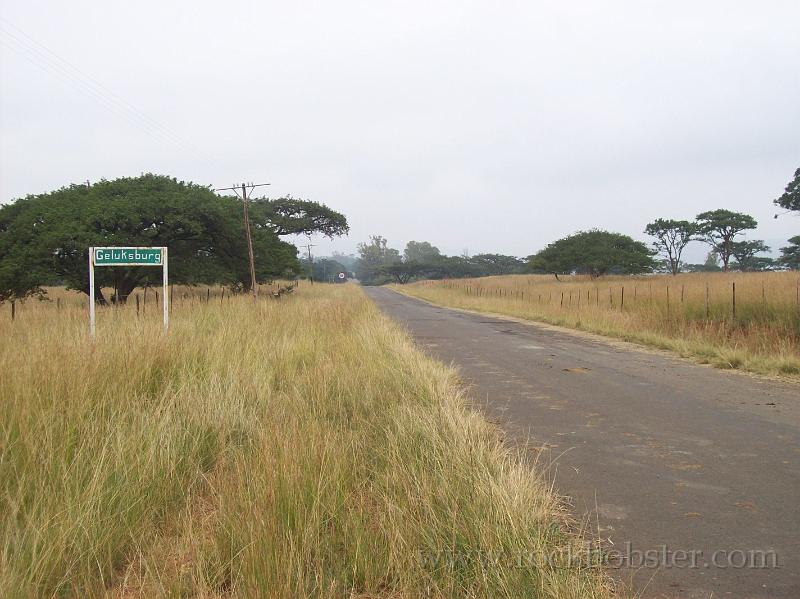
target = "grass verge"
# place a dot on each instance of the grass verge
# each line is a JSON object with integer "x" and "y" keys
{"x": 294, "y": 448}
{"x": 690, "y": 315}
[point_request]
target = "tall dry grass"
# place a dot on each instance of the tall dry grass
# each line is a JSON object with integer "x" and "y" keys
{"x": 293, "y": 448}
{"x": 691, "y": 314}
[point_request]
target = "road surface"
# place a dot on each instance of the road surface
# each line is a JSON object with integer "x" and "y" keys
{"x": 655, "y": 452}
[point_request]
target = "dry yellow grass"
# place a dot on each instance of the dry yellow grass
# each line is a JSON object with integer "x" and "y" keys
{"x": 293, "y": 448}
{"x": 691, "y": 314}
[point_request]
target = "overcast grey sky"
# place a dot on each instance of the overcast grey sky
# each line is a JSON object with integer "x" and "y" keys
{"x": 487, "y": 126}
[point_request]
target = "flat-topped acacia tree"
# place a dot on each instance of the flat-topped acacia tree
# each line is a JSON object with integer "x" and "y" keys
{"x": 594, "y": 253}
{"x": 719, "y": 229}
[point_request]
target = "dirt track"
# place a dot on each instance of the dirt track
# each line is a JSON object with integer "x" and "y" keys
{"x": 658, "y": 451}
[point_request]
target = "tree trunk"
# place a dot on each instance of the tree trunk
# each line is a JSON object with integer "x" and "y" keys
{"x": 124, "y": 289}
{"x": 726, "y": 254}
{"x": 126, "y": 286}
{"x": 98, "y": 295}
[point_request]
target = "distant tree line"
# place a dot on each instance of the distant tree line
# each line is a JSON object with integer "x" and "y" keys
{"x": 45, "y": 239}
{"x": 596, "y": 252}
{"x": 377, "y": 263}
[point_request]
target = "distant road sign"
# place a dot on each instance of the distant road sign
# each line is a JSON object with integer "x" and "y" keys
{"x": 130, "y": 256}
{"x": 342, "y": 275}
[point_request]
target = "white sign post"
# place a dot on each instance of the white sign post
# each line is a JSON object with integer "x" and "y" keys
{"x": 128, "y": 256}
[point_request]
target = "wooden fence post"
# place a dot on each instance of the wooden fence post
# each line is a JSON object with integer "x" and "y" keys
{"x": 13, "y": 309}
{"x": 137, "y": 305}
{"x": 622, "y": 299}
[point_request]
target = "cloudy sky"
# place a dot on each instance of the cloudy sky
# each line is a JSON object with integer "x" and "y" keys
{"x": 485, "y": 126}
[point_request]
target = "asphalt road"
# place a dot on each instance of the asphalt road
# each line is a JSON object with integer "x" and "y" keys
{"x": 652, "y": 450}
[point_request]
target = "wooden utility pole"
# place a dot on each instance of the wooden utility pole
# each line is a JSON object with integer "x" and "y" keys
{"x": 247, "y": 233}
{"x": 249, "y": 237}
{"x": 308, "y": 247}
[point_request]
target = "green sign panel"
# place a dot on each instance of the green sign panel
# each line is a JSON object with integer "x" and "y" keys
{"x": 116, "y": 256}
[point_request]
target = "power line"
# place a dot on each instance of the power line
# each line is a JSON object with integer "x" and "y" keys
{"x": 50, "y": 61}
{"x": 54, "y": 64}
{"x": 55, "y": 71}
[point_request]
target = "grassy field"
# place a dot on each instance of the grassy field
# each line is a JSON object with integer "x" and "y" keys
{"x": 293, "y": 448}
{"x": 692, "y": 314}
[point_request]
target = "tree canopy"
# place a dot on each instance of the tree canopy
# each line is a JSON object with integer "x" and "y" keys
{"x": 496, "y": 264}
{"x": 672, "y": 237}
{"x": 372, "y": 257}
{"x": 421, "y": 251}
{"x": 791, "y": 195}
{"x": 594, "y": 253}
{"x": 46, "y": 237}
{"x": 291, "y": 216}
{"x": 790, "y": 255}
{"x": 720, "y": 227}
{"x": 745, "y": 254}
